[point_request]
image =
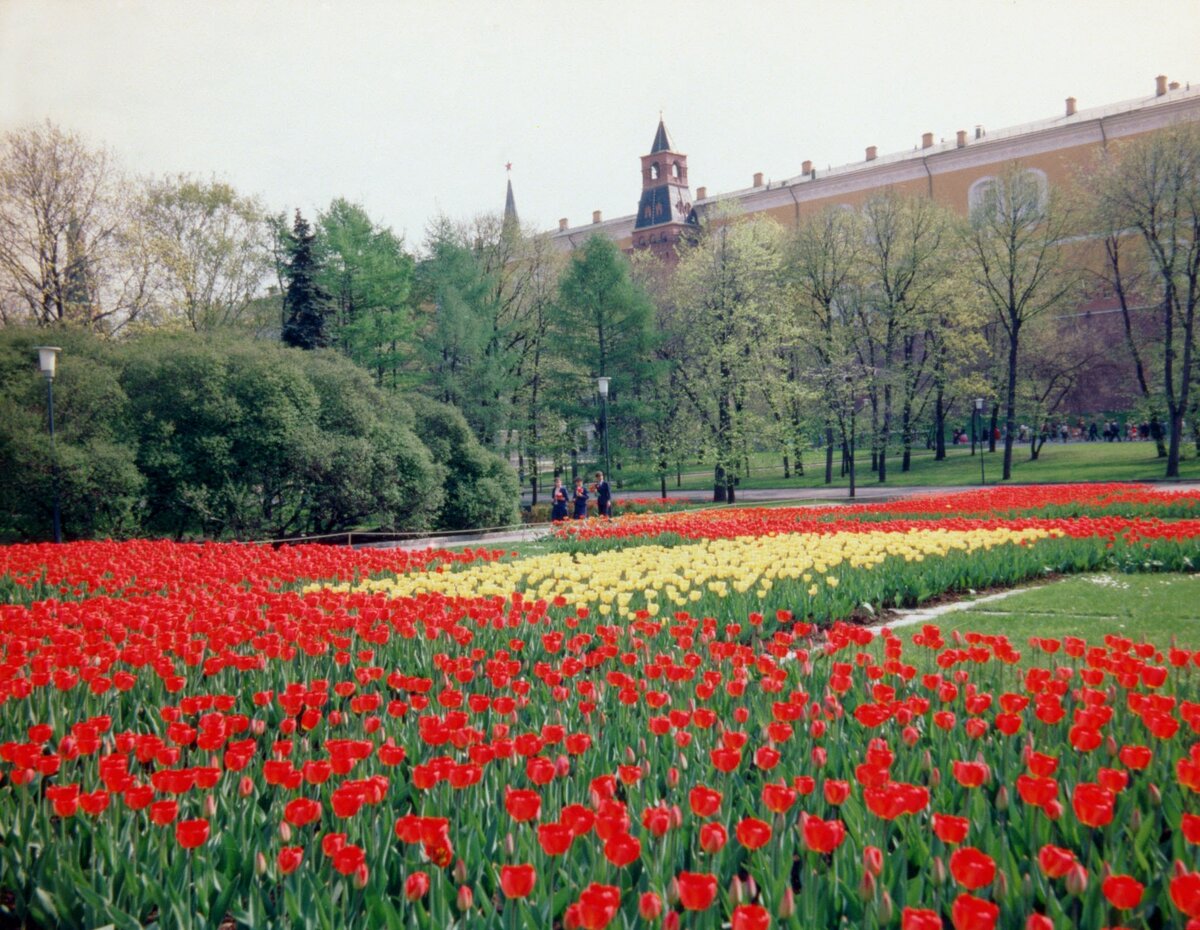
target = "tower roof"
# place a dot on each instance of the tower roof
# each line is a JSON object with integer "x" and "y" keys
{"x": 510, "y": 205}
{"x": 662, "y": 141}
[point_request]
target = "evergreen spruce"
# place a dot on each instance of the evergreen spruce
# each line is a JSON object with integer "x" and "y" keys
{"x": 305, "y": 302}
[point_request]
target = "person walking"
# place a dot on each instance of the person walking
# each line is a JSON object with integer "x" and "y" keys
{"x": 558, "y": 501}
{"x": 603, "y": 496}
{"x": 581, "y": 499}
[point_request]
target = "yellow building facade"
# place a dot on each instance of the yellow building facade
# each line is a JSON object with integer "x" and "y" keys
{"x": 951, "y": 171}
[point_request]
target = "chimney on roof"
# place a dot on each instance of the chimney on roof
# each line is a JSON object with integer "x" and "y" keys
{"x": 1070, "y": 106}
{"x": 1160, "y": 85}
{"x": 562, "y": 224}
{"x": 595, "y": 216}
{"x": 701, "y": 193}
{"x": 758, "y": 182}
{"x": 871, "y": 153}
{"x": 806, "y": 168}
{"x": 927, "y": 140}
{"x": 961, "y": 138}
{"x": 1174, "y": 85}
{"x": 979, "y": 133}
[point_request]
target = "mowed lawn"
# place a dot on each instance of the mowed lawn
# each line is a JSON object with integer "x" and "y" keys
{"x": 1058, "y": 462}
{"x": 1163, "y": 609}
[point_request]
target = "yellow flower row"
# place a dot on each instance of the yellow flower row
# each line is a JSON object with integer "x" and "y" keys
{"x": 651, "y": 575}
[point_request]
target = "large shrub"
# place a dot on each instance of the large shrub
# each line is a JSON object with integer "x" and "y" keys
{"x": 99, "y": 486}
{"x": 481, "y": 488}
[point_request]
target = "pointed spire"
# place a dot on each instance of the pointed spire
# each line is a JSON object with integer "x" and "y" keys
{"x": 662, "y": 141}
{"x": 510, "y": 203}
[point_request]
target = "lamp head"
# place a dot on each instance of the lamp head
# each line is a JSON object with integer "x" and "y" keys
{"x": 602, "y": 383}
{"x": 978, "y": 403}
{"x": 48, "y": 359}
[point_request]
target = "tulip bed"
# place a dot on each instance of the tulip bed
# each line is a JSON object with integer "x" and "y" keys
{"x": 675, "y": 735}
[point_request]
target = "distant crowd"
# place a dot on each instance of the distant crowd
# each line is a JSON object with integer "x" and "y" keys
{"x": 1079, "y": 431}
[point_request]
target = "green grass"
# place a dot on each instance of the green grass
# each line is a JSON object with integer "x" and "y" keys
{"x": 1090, "y": 461}
{"x": 1154, "y": 608}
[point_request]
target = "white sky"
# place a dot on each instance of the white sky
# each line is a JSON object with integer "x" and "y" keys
{"x": 412, "y": 108}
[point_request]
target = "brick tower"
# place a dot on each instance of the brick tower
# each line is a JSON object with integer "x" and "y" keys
{"x": 664, "y": 214}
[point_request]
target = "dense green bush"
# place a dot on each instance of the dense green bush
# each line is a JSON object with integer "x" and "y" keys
{"x": 99, "y": 485}
{"x": 481, "y": 488}
{"x": 188, "y": 435}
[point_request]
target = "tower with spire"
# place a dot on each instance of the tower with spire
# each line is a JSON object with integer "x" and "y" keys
{"x": 664, "y": 214}
{"x": 510, "y": 202}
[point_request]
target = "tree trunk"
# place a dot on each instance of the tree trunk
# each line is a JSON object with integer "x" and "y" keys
{"x": 1011, "y": 399}
{"x": 719, "y": 485}
{"x": 663, "y": 485}
{"x": 939, "y": 420}
{"x": 828, "y": 453}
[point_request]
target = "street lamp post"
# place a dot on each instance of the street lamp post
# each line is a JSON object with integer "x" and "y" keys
{"x": 602, "y": 384}
{"x": 47, "y": 361}
{"x": 979, "y": 433}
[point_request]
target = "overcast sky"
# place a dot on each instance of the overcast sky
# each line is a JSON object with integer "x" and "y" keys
{"x": 413, "y": 108}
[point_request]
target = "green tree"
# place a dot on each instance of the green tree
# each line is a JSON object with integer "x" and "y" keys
{"x": 209, "y": 246}
{"x": 369, "y": 277}
{"x": 1015, "y": 238}
{"x": 481, "y": 490}
{"x": 1152, "y": 185}
{"x": 305, "y": 301}
{"x": 99, "y": 486}
{"x": 602, "y": 328}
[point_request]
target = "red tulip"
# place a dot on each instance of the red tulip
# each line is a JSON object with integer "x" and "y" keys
{"x": 872, "y": 860}
{"x": 778, "y": 799}
{"x": 822, "y": 836}
{"x": 1055, "y": 862}
{"x": 289, "y": 859}
{"x": 416, "y": 886}
{"x": 517, "y": 881}
{"x": 597, "y": 906}
{"x": 971, "y": 867}
{"x": 650, "y": 906}
{"x": 1093, "y": 804}
{"x": 696, "y": 890}
{"x": 713, "y": 837}
{"x": 970, "y": 774}
{"x": 912, "y": 918}
{"x": 836, "y": 792}
{"x": 971, "y": 913}
{"x": 302, "y": 811}
{"x": 950, "y": 829}
{"x": 704, "y": 801}
{"x": 349, "y": 859}
{"x": 1185, "y": 893}
{"x": 622, "y": 849}
{"x": 191, "y": 833}
{"x": 1123, "y": 891}
{"x": 555, "y": 838}
{"x": 522, "y": 804}
{"x": 753, "y": 833}
{"x": 750, "y": 917}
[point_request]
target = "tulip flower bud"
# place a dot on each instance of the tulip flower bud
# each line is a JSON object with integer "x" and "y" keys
{"x": 460, "y": 871}
{"x": 872, "y": 857}
{"x": 1002, "y": 798}
{"x": 1135, "y": 821}
{"x": 935, "y": 778}
{"x": 1053, "y": 810}
{"x": 751, "y": 888}
{"x": 939, "y": 871}
{"x": 673, "y": 892}
{"x": 246, "y": 786}
{"x": 645, "y": 768}
{"x": 1039, "y": 922}
{"x": 1027, "y": 886}
{"x": 650, "y": 906}
{"x": 866, "y": 886}
{"x": 1001, "y": 883}
{"x": 361, "y": 874}
{"x": 927, "y": 761}
{"x": 676, "y": 816}
{"x": 1155, "y": 795}
{"x": 887, "y": 908}
{"x": 671, "y": 921}
{"x": 562, "y": 767}
{"x": 683, "y": 762}
{"x": 260, "y": 864}
{"x": 464, "y": 898}
{"x": 672, "y": 777}
{"x": 642, "y": 746}
{"x": 258, "y": 727}
{"x": 737, "y": 893}
{"x": 210, "y": 806}
{"x": 629, "y": 756}
{"x": 1110, "y": 745}
{"x": 285, "y": 831}
{"x": 1077, "y": 880}
{"x": 510, "y": 844}
{"x": 787, "y": 906}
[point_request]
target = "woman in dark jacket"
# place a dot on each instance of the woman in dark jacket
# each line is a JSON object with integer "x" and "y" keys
{"x": 558, "y": 499}
{"x": 581, "y": 499}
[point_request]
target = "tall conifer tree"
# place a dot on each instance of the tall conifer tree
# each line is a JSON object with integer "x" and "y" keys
{"x": 305, "y": 302}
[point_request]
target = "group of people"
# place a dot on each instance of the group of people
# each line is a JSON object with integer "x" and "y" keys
{"x": 560, "y": 499}
{"x": 1111, "y": 431}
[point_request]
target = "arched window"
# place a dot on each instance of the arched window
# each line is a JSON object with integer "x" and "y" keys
{"x": 1022, "y": 192}
{"x": 654, "y": 171}
{"x": 675, "y": 170}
